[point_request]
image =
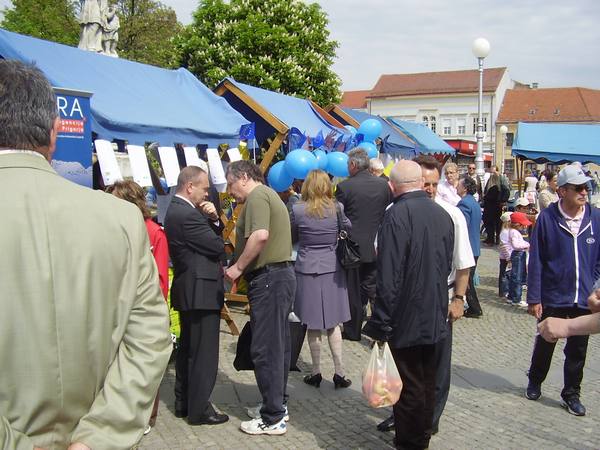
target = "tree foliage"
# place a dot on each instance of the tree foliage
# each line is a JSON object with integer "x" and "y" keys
{"x": 52, "y": 20}
{"x": 280, "y": 45}
{"x": 147, "y": 31}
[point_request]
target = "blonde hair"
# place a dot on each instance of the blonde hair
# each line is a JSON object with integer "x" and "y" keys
{"x": 317, "y": 194}
{"x": 133, "y": 193}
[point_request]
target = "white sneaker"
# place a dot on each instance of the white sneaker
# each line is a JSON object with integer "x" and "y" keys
{"x": 254, "y": 413}
{"x": 257, "y": 426}
{"x": 522, "y": 304}
{"x": 147, "y": 430}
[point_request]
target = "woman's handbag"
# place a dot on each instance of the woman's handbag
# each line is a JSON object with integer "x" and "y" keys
{"x": 347, "y": 251}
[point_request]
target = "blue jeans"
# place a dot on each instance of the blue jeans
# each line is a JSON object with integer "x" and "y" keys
{"x": 503, "y": 278}
{"x": 516, "y": 278}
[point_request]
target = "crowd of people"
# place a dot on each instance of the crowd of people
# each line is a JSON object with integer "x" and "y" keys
{"x": 90, "y": 272}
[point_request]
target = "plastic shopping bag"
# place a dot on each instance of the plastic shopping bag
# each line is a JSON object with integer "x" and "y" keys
{"x": 382, "y": 384}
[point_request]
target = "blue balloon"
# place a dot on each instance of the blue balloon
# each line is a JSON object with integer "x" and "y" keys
{"x": 370, "y": 128}
{"x": 370, "y": 148}
{"x": 299, "y": 162}
{"x": 278, "y": 177}
{"x": 351, "y": 129}
{"x": 321, "y": 159}
{"x": 337, "y": 164}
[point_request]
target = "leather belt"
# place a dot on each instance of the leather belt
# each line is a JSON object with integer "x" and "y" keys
{"x": 267, "y": 268}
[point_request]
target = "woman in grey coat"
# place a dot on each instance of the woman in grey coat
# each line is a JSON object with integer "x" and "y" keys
{"x": 321, "y": 292}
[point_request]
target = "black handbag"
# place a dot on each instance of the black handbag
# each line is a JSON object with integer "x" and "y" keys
{"x": 347, "y": 251}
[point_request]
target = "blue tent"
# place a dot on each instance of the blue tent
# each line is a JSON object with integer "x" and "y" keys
{"x": 286, "y": 110}
{"x": 132, "y": 101}
{"x": 426, "y": 140}
{"x": 557, "y": 142}
{"x": 393, "y": 142}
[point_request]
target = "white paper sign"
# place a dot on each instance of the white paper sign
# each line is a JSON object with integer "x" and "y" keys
{"x": 234, "y": 154}
{"x": 192, "y": 159}
{"x": 108, "y": 162}
{"x": 170, "y": 165}
{"x": 139, "y": 165}
{"x": 217, "y": 174}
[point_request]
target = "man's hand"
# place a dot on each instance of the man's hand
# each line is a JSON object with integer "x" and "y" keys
{"x": 552, "y": 329}
{"x": 535, "y": 310}
{"x": 456, "y": 309}
{"x": 209, "y": 210}
{"x": 78, "y": 446}
{"x": 594, "y": 301}
{"x": 233, "y": 273}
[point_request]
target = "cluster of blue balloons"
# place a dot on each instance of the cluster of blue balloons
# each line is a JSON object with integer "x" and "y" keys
{"x": 299, "y": 162}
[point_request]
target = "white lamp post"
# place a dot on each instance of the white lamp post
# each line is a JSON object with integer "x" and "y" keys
{"x": 481, "y": 48}
{"x": 503, "y": 131}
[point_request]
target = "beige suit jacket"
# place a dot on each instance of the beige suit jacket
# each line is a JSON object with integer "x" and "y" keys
{"x": 84, "y": 336}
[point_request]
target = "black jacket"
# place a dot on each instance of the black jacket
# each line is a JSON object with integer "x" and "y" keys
{"x": 365, "y": 198}
{"x": 196, "y": 251}
{"x": 414, "y": 244}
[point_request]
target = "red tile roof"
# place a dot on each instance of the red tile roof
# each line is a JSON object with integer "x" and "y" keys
{"x": 354, "y": 99}
{"x": 550, "y": 105}
{"x": 458, "y": 81}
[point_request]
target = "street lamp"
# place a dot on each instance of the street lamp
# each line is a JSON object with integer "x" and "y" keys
{"x": 503, "y": 131}
{"x": 481, "y": 48}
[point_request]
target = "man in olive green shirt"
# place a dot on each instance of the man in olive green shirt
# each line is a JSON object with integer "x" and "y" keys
{"x": 84, "y": 336}
{"x": 263, "y": 253}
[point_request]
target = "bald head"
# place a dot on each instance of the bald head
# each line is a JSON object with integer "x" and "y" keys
{"x": 406, "y": 176}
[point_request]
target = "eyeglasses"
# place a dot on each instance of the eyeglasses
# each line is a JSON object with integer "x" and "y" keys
{"x": 471, "y": 168}
{"x": 578, "y": 187}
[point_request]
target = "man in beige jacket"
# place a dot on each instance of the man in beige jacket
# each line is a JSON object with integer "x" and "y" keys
{"x": 83, "y": 325}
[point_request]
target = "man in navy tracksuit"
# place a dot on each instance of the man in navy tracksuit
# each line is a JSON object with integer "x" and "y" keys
{"x": 563, "y": 265}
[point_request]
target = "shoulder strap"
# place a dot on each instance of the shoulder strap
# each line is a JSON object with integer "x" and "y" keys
{"x": 338, "y": 213}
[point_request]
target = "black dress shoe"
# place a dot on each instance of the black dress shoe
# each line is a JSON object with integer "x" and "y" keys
{"x": 341, "y": 382}
{"x": 180, "y": 413}
{"x": 313, "y": 380}
{"x": 387, "y": 424}
{"x": 472, "y": 315}
{"x": 210, "y": 420}
{"x": 533, "y": 391}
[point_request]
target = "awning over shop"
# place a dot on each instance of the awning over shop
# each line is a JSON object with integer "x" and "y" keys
{"x": 557, "y": 143}
{"x": 132, "y": 101}
{"x": 426, "y": 140}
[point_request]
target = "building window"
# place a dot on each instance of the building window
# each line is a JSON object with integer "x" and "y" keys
{"x": 509, "y": 168}
{"x": 509, "y": 139}
{"x": 432, "y": 123}
{"x": 484, "y": 120}
{"x": 461, "y": 126}
{"x": 426, "y": 120}
{"x": 446, "y": 126}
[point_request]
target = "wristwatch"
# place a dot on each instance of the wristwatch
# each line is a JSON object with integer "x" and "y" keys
{"x": 458, "y": 297}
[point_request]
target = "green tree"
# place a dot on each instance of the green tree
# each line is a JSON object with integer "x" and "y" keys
{"x": 280, "y": 45}
{"x": 147, "y": 31}
{"x": 53, "y": 20}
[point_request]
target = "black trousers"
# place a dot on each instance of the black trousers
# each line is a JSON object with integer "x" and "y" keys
{"x": 271, "y": 295}
{"x": 197, "y": 362}
{"x": 472, "y": 299}
{"x": 413, "y": 413}
{"x": 575, "y": 353}
{"x": 361, "y": 284}
{"x": 443, "y": 363}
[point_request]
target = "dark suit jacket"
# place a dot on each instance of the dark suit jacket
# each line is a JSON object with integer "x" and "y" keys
{"x": 365, "y": 198}
{"x": 196, "y": 252}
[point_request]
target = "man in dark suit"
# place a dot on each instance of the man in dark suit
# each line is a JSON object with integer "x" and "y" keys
{"x": 197, "y": 293}
{"x": 365, "y": 198}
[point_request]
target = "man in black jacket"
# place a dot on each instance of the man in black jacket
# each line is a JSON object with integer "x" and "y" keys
{"x": 365, "y": 198}
{"x": 415, "y": 246}
{"x": 191, "y": 225}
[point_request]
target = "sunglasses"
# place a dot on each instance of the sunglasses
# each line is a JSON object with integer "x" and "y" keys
{"x": 578, "y": 187}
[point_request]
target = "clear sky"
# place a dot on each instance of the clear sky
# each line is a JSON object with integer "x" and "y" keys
{"x": 553, "y": 42}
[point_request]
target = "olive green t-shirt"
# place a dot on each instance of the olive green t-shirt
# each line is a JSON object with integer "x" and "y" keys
{"x": 264, "y": 210}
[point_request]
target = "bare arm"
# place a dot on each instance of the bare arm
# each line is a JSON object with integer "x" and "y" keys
{"x": 254, "y": 245}
{"x": 554, "y": 328}
{"x": 456, "y": 308}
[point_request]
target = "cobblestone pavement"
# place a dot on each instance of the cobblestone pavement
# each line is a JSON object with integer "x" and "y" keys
{"x": 486, "y": 407}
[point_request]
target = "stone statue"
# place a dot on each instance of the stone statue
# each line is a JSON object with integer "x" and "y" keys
{"x": 110, "y": 32}
{"x": 99, "y": 27}
{"x": 90, "y": 20}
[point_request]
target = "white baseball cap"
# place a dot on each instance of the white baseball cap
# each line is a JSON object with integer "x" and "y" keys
{"x": 522, "y": 201}
{"x": 572, "y": 175}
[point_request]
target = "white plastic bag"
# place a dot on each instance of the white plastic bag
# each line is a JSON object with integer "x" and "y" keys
{"x": 382, "y": 384}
